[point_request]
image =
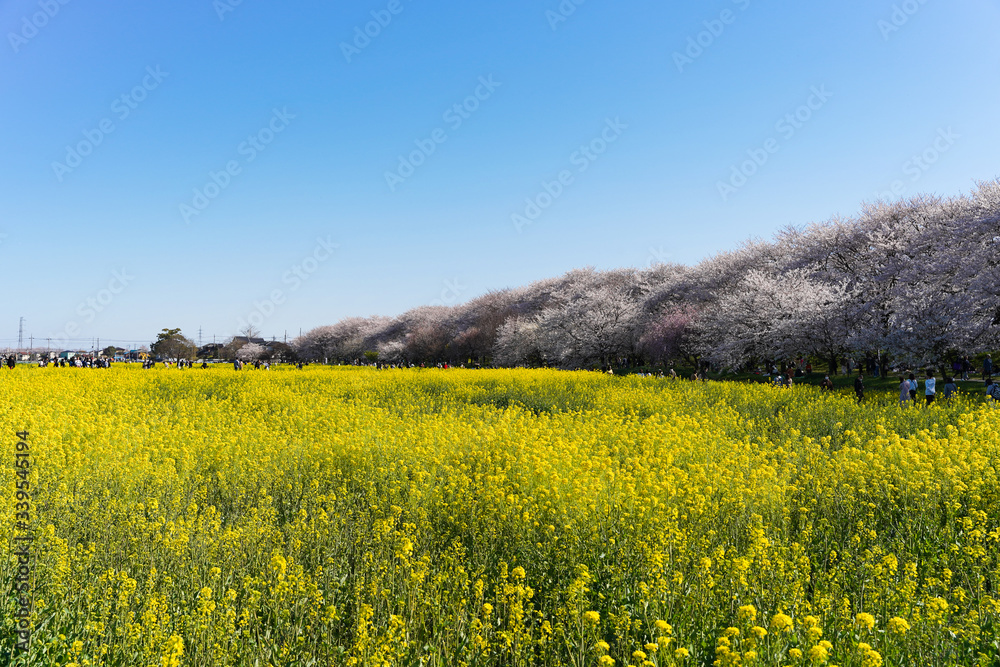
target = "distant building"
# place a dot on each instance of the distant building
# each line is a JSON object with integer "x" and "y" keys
{"x": 243, "y": 340}
{"x": 211, "y": 351}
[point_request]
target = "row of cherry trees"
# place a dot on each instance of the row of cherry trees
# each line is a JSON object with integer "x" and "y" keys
{"x": 913, "y": 281}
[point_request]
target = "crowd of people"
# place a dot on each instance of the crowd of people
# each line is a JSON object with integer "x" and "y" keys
{"x": 909, "y": 385}
{"x": 82, "y": 361}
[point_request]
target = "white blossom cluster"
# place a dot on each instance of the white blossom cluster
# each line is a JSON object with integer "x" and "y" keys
{"x": 912, "y": 280}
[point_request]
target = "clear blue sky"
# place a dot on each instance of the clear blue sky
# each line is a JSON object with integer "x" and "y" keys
{"x": 444, "y": 233}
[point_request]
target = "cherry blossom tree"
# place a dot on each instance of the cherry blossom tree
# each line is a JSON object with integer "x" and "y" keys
{"x": 251, "y": 352}
{"x": 913, "y": 280}
{"x": 670, "y": 335}
{"x": 517, "y": 343}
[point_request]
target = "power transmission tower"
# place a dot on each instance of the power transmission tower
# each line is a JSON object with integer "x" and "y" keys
{"x": 20, "y": 334}
{"x": 199, "y": 336}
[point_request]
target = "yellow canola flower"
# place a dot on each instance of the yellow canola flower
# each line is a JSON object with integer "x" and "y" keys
{"x": 183, "y": 516}
{"x": 782, "y": 623}
{"x": 747, "y": 613}
{"x": 898, "y": 626}
{"x": 818, "y": 654}
{"x": 865, "y": 620}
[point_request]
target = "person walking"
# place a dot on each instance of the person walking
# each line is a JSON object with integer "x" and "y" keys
{"x": 904, "y": 392}
{"x": 930, "y": 390}
{"x": 949, "y": 388}
{"x": 988, "y": 367}
{"x": 913, "y": 388}
{"x": 966, "y": 367}
{"x": 859, "y": 386}
{"x": 993, "y": 391}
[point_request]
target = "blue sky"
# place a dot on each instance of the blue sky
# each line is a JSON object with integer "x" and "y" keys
{"x": 252, "y": 138}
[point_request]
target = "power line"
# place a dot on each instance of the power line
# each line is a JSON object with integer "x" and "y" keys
{"x": 91, "y": 341}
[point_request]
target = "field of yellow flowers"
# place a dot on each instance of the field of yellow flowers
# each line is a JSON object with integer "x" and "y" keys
{"x": 341, "y": 516}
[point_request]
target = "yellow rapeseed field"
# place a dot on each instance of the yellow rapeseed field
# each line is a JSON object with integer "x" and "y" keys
{"x": 340, "y": 516}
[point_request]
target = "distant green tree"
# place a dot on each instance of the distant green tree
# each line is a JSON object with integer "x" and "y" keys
{"x": 171, "y": 344}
